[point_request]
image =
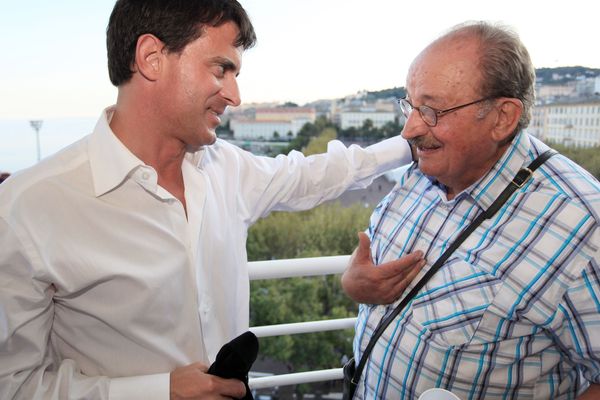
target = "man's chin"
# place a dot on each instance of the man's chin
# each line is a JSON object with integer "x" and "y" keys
{"x": 211, "y": 139}
{"x": 205, "y": 140}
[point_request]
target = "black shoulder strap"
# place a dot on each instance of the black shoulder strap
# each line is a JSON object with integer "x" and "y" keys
{"x": 518, "y": 181}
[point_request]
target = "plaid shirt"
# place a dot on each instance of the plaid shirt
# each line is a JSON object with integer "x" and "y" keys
{"x": 514, "y": 313}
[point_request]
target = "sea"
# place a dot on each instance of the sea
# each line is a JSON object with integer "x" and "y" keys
{"x": 18, "y": 144}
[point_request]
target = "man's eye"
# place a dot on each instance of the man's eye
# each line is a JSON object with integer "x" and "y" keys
{"x": 219, "y": 71}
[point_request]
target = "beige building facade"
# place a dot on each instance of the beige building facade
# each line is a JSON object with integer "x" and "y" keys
{"x": 571, "y": 123}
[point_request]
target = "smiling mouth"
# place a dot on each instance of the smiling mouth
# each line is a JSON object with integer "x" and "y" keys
{"x": 424, "y": 145}
{"x": 428, "y": 148}
{"x": 216, "y": 114}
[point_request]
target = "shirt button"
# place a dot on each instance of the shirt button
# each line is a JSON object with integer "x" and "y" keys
{"x": 145, "y": 176}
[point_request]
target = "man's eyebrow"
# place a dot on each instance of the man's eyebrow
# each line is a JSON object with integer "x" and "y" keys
{"x": 225, "y": 63}
{"x": 426, "y": 98}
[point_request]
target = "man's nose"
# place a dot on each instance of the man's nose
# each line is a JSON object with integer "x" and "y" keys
{"x": 414, "y": 126}
{"x": 231, "y": 92}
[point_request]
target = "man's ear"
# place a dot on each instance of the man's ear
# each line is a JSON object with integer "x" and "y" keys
{"x": 509, "y": 113}
{"x": 148, "y": 56}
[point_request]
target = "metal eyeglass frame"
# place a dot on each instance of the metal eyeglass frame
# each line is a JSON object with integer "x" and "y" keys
{"x": 430, "y": 115}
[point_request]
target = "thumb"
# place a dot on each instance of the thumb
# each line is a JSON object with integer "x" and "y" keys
{"x": 363, "y": 251}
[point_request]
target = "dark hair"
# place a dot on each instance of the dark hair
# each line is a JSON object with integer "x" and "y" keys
{"x": 505, "y": 65}
{"x": 175, "y": 22}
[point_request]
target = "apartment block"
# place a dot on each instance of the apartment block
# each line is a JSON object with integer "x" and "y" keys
{"x": 356, "y": 119}
{"x": 572, "y": 122}
{"x": 282, "y": 123}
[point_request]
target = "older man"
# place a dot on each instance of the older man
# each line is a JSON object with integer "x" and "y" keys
{"x": 515, "y": 311}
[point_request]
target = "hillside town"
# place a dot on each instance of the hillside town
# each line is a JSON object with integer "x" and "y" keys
{"x": 567, "y": 111}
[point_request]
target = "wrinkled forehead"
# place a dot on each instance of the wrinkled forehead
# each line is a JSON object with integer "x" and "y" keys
{"x": 445, "y": 67}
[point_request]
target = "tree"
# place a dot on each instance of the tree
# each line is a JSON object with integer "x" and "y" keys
{"x": 308, "y": 131}
{"x": 588, "y": 158}
{"x": 324, "y": 231}
{"x": 368, "y": 132}
{"x": 391, "y": 129}
{"x": 318, "y": 144}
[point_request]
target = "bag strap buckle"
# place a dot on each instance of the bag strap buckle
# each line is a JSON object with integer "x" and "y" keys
{"x": 522, "y": 177}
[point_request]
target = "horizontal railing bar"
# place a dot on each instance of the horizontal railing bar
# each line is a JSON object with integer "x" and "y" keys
{"x": 296, "y": 378}
{"x": 303, "y": 327}
{"x": 299, "y": 267}
{"x": 313, "y": 266}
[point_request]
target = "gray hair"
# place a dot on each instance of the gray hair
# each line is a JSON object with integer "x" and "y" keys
{"x": 505, "y": 65}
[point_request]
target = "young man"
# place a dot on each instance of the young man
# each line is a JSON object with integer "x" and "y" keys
{"x": 122, "y": 257}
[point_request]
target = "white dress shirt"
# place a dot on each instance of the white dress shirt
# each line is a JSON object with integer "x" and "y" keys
{"x": 106, "y": 286}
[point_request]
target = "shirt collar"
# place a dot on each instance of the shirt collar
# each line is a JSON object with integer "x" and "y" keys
{"x": 488, "y": 188}
{"x": 110, "y": 161}
{"x": 485, "y": 191}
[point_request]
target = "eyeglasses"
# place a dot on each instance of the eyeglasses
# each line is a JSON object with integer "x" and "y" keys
{"x": 430, "y": 115}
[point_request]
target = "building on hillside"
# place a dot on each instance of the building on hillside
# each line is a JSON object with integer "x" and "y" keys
{"x": 585, "y": 87}
{"x": 266, "y": 130}
{"x": 286, "y": 113}
{"x": 546, "y": 93}
{"x": 356, "y": 119}
{"x": 581, "y": 87}
{"x": 282, "y": 123}
{"x": 571, "y": 122}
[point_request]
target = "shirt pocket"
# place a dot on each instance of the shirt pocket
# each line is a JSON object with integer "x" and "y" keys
{"x": 452, "y": 304}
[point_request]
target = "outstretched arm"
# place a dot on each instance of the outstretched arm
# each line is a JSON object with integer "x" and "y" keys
{"x": 367, "y": 283}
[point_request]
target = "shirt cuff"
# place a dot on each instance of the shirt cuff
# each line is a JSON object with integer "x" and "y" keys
{"x": 145, "y": 387}
{"x": 392, "y": 153}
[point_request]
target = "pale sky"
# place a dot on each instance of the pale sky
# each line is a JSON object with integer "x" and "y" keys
{"x": 54, "y": 54}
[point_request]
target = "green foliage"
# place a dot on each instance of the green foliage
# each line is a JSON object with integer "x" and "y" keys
{"x": 396, "y": 92}
{"x": 327, "y": 230}
{"x": 307, "y": 132}
{"x": 318, "y": 144}
{"x": 324, "y": 128}
{"x": 588, "y": 158}
{"x": 369, "y": 133}
{"x": 324, "y": 231}
{"x": 560, "y": 75}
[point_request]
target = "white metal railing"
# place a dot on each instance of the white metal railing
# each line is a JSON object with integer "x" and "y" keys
{"x": 303, "y": 327}
{"x": 278, "y": 269}
{"x": 296, "y": 378}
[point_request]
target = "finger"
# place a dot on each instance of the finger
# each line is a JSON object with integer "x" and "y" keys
{"x": 403, "y": 284}
{"x": 363, "y": 251}
{"x": 233, "y": 388}
{"x": 398, "y": 286}
{"x": 199, "y": 366}
{"x": 401, "y": 266}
